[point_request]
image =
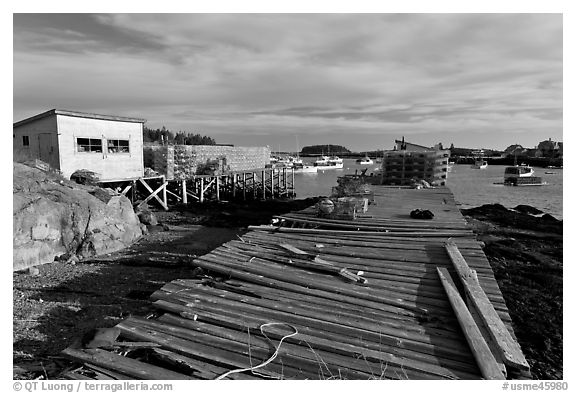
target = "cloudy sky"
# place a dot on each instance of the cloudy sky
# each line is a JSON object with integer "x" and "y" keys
{"x": 359, "y": 80}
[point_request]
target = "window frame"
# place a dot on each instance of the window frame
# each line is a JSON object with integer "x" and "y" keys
{"x": 26, "y": 140}
{"x": 119, "y": 146}
{"x": 92, "y": 148}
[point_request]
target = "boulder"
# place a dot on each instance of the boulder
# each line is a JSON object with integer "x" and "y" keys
{"x": 53, "y": 216}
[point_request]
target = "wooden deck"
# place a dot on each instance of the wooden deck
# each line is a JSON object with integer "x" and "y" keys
{"x": 313, "y": 323}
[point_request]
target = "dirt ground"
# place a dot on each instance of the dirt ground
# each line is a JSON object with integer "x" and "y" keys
{"x": 65, "y": 301}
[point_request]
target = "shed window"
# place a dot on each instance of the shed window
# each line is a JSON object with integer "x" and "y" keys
{"x": 25, "y": 140}
{"x": 89, "y": 145}
{"x": 118, "y": 146}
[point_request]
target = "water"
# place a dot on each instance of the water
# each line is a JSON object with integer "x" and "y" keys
{"x": 471, "y": 187}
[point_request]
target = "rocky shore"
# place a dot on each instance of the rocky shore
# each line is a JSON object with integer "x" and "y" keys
{"x": 525, "y": 250}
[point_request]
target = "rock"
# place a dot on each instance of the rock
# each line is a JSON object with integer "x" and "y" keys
{"x": 548, "y": 217}
{"x": 53, "y": 217}
{"x": 33, "y": 271}
{"x": 527, "y": 209}
{"x": 147, "y": 217}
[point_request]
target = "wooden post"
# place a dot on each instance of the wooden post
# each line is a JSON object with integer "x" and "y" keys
{"x": 184, "y": 194}
{"x": 254, "y": 184}
{"x": 293, "y": 193}
{"x": 244, "y": 185}
{"x": 164, "y": 194}
{"x": 218, "y": 188}
{"x": 264, "y": 184}
{"x": 201, "y": 189}
{"x": 234, "y": 185}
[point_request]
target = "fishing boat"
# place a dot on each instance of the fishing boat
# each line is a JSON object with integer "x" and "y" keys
{"x": 323, "y": 160}
{"x": 328, "y": 165}
{"x": 480, "y": 164}
{"x": 335, "y": 160}
{"x": 364, "y": 161}
{"x": 305, "y": 168}
{"x": 521, "y": 175}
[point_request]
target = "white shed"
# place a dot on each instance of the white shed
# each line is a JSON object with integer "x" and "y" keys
{"x": 111, "y": 146}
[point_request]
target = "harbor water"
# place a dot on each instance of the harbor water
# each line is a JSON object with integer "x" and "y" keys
{"x": 471, "y": 187}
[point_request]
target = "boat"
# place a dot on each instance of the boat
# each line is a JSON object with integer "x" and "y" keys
{"x": 521, "y": 175}
{"x": 305, "y": 168}
{"x": 480, "y": 164}
{"x": 323, "y": 160}
{"x": 328, "y": 165}
{"x": 364, "y": 161}
{"x": 335, "y": 160}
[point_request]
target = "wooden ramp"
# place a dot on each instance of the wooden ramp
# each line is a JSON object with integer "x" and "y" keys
{"x": 325, "y": 300}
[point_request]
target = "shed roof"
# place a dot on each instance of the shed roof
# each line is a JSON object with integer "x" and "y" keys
{"x": 64, "y": 112}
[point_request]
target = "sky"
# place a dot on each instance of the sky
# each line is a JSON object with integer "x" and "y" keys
{"x": 291, "y": 80}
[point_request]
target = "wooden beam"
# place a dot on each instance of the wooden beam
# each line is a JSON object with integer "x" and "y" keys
{"x": 184, "y": 193}
{"x": 153, "y": 194}
{"x": 486, "y": 361}
{"x": 264, "y": 184}
{"x": 506, "y": 344}
{"x": 126, "y": 189}
{"x": 122, "y": 364}
{"x": 164, "y": 190}
{"x": 174, "y": 195}
{"x": 201, "y": 189}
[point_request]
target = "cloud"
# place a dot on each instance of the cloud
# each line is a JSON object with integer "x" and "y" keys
{"x": 435, "y": 75}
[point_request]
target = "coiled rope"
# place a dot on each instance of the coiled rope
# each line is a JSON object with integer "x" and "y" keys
{"x": 241, "y": 370}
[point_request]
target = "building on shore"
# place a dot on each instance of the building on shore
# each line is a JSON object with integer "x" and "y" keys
{"x": 409, "y": 162}
{"x": 110, "y": 146}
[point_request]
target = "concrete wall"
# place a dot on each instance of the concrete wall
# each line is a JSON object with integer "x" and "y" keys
{"x": 108, "y": 165}
{"x": 43, "y": 139}
{"x": 185, "y": 161}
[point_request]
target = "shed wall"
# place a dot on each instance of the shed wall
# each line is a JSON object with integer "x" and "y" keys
{"x": 43, "y": 141}
{"x": 108, "y": 165}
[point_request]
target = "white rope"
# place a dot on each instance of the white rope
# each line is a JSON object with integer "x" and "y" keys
{"x": 241, "y": 370}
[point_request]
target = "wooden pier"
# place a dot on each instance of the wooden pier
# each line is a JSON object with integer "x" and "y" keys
{"x": 243, "y": 185}
{"x": 379, "y": 297}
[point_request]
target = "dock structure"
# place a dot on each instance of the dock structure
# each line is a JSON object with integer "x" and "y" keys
{"x": 384, "y": 296}
{"x": 267, "y": 183}
{"x": 254, "y": 184}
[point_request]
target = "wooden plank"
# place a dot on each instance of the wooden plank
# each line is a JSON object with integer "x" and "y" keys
{"x": 337, "y": 342}
{"x": 198, "y": 368}
{"x": 122, "y": 364}
{"x": 486, "y": 362}
{"x": 340, "y": 354}
{"x": 508, "y": 346}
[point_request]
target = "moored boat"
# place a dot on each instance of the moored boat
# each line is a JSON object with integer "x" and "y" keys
{"x": 521, "y": 175}
{"x": 328, "y": 165}
{"x": 480, "y": 164}
{"x": 305, "y": 168}
{"x": 365, "y": 161}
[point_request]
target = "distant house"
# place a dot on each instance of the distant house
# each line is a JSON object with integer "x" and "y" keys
{"x": 514, "y": 150}
{"x": 111, "y": 146}
{"x": 550, "y": 149}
